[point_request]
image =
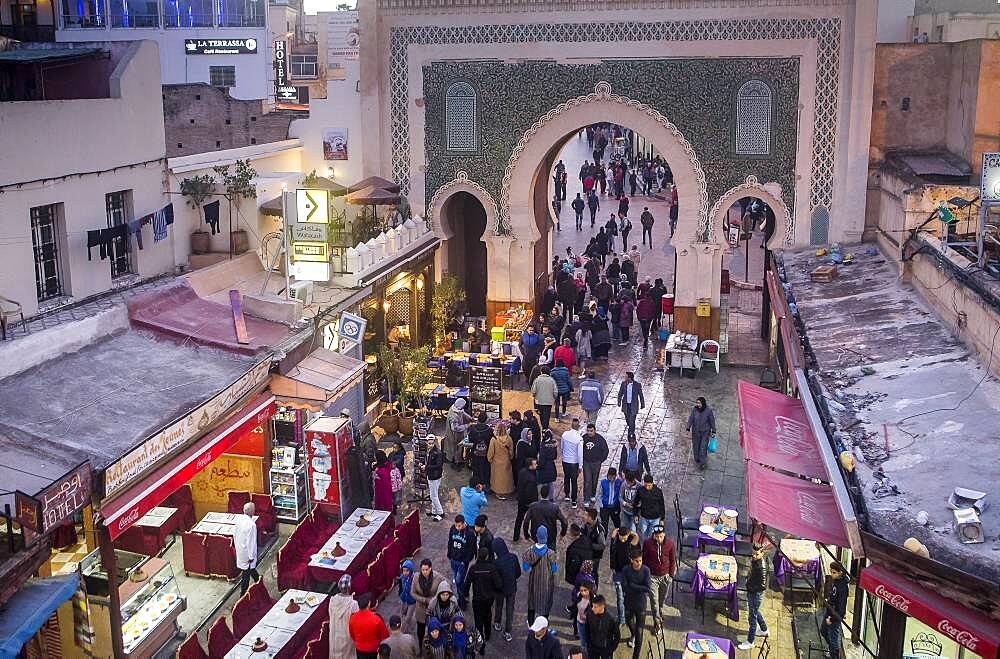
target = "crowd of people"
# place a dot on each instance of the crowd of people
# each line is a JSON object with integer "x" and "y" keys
{"x": 594, "y": 300}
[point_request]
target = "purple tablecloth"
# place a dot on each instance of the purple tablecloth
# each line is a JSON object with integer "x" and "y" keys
{"x": 724, "y": 645}
{"x": 783, "y": 566}
{"x": 729, "y": 542}
{"x": 702, "y": 585}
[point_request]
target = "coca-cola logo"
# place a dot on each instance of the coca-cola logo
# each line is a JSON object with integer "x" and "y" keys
{"x": 962, "y": 637}
{"x": 895, "y": 599}
{"x": 128, "y": 518}
{"x": 203, "y": 461}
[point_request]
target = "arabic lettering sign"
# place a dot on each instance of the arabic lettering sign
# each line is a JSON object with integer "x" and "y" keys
{"x": 220, "y": 46}
{"x": 28, "y": 511}
{"x": 310, "y": 232}
{"x": 66, "y": 496}
{"x": 178, "y": 435}
{"x": 210, "y": 487}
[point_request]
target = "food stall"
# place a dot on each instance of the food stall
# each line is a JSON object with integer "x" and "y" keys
{"x": 150, "y": 602}
{"x": 512, "y": 322}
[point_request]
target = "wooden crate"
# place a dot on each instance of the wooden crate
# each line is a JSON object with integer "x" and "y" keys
{"x": 824, "y": 273}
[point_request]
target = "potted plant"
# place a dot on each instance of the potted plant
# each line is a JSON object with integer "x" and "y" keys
{"x": 198, "y": 189}
{"x": 416, "y": 374}
{"x": 392, "y": 371}
{"x": 239, "y": 184}
{"x": 447, "y": 303}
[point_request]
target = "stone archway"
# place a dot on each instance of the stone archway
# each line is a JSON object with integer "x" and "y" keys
{"x": 697, "y": 241}
{"x": 770, "y": 193}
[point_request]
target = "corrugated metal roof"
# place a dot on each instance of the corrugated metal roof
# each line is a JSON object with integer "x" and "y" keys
{"x": 932, "y": 165}
{"x": 39, "y": 55}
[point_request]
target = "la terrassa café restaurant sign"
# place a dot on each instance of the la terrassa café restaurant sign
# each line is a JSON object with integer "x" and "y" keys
{"x": 165, "y": 443}
{"x": 220, "y": 46}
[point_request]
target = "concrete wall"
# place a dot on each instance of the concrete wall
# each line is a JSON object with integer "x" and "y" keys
{"x": 953, "y": 26}
{"x": 254, "y": 76}
{"x": 894, "y": 21}
{"x": 199, "y": 118}
{"x": 276, "y": 163}
{"x": 83, "y": 141}
{"x": 340, "y": 109}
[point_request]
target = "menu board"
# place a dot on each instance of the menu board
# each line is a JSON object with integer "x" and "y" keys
{"x": 486, "y": 391}
{"x": 421, "y": 428}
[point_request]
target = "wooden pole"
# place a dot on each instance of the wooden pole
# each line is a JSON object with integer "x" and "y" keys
{"x": 110, "y": 563}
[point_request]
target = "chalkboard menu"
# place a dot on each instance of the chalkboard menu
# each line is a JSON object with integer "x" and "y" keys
{"x": 421, "y": 428}
{"x": 486, "y": 391}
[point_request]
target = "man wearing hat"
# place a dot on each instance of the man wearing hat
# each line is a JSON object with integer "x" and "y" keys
{"x": 660, "y": 556}
{"x": 400, "y": 644}
{"x": 542, "y": 643}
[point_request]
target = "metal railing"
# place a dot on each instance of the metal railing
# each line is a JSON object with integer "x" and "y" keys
{"x": 135, "y": 20}
{"x": 184, "y": 19}
{"x": 72, "y": 21}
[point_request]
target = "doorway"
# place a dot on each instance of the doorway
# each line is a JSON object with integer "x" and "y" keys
{"x": 465, "y": 217}
{"x": 748, "y": 226}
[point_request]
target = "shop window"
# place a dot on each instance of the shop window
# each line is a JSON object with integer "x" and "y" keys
{"x": 45, "y": 221}
{"x": 241, "y": 13}
{"x": 305, "y": 66}
{"x": 460, "y": 117}
{"x": 83, "y": 14}
{"x": 119, "y": 210}
{"x": 222, "y": 76}
{"x": 753, "y": 119}
{"x": 135, "y": 13}
{"x": 187, "y": 13}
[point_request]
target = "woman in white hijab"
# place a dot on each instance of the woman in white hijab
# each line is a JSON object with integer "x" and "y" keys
{"x": 457, "y": 424}
{"x": 342, "y": 607}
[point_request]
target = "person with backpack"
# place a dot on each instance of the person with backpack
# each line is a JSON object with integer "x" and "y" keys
{"x": 484, "y": 582}
{"x": 481, "y": 436}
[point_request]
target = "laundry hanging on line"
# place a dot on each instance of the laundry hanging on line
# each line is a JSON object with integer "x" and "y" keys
{"x": 212, "y": 216}
{"x": 161, "y": 220}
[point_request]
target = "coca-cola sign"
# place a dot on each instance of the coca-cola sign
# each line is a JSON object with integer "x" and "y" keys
{"x": 960, "y": 636}
{"x": 895, "y": 599}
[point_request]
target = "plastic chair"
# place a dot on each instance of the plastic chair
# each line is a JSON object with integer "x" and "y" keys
{"x": 710, "y": 351}
{"x": 220, "y": 639}
{"x": 10, "y": 309}
{"x": 191, "y": 649}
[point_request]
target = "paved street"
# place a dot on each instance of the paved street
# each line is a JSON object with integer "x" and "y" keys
{"x": 660, "y": 428}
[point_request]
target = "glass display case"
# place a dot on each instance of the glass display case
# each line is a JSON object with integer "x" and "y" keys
{"x": 289, "y": 492}
{"x": 150, "y": 599}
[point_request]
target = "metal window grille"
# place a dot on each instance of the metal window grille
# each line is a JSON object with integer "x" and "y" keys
{"x": 460, "y": 117}
{"x": 753, "y": 119}
{"x": 222, "y": 76}
{"x": 304, "y": 66}
{"x": 44, "y": 241}
{"x": 119, "y": 213}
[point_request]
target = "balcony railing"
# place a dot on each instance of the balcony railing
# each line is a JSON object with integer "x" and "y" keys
{"x": 187, "y": 20}
{"x": 240, "y": 20}
{"x": 28, "y": 32}
{"x": 135, "y": 20}
{"x": 71, "y": 21}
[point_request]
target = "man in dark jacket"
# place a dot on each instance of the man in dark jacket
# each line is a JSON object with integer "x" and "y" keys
{"x": 836, "y": 609}
{"x": 544, "y": 513}
{"x": 603, "y": 292}
{"x": 485, "y": 582}
{"x": 480, "y": 436}
{"x": 578, "y": 206}
{"x": 650, "y": 508}
{"x": 510, "y": 571}
{"x": 484, "y": 537}
{"x": 594, "y": 532}
{"x": 594, "y": 205}
{"x": 433, "y": 470}
{"x": 567, "y": 295}
{"x": 461, "y": 550}
{"x": 635, "y": 585}
{"x": 756, "y": 585}
{"x": 603, "y": 633}
{"x": 595, "y": 452}
{"x": 660, "y": 556}
{"x": 542, "y": 643}
{"x": 634, "y": 459}
{"x": 578, "y": 551}
{"x": 657, "y": 292}
{"x": 527, "y": 494}
{"x": 624, "y": 543}
{"x": 631, "y": 400}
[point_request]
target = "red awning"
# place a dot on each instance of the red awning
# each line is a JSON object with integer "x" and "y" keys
{"x": 774, "y": 431}
{"x": 794, "y": 505}
{"x": 136, "y": 501}
{"x": 967, "y": 627}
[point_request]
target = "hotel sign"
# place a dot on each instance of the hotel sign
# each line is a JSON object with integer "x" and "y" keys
{"x": 282, "y": 90}
{"x": 990, "y": 191}
{"x": 220, "y": 46}
{"x": 47, "y": 509}
{"x": 182, "y": 432}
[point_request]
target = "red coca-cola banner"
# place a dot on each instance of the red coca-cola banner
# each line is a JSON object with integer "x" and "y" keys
{"x": 970, "y": 629}
{"x": 138, "y": 500}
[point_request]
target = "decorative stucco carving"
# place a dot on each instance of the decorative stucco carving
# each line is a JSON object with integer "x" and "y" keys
{"x": 753, "y": 188}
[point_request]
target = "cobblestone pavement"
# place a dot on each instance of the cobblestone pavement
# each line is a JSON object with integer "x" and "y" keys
{"x": 661, "y": 427}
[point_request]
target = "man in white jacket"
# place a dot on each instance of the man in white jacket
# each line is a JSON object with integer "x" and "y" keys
{"x": 245, "y": 539}
{"x": 572, "y": 455}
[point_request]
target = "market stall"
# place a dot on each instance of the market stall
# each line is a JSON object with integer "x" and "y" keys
{"x": 510, "y": 324}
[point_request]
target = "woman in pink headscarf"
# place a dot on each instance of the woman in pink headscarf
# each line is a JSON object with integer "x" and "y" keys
{"x": 382, "y": 482}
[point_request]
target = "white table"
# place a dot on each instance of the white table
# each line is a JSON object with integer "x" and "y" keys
{"x": 278, "y": 627}
{"x": 682, "y": 352}
{"x": 156, "y": 517}
{"x": 351, "y": 537}
{"x": 217, "y": 524}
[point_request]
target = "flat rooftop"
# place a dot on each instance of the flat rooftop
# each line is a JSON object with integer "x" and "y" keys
{"x": 101, "y": 401}
{"x": 929, "y": 414}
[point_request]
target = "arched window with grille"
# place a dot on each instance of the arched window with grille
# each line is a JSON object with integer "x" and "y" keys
{"x": 753, "y": 119}
{"x": 460, "y": 117}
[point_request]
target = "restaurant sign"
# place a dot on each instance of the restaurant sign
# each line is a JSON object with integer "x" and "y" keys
{"x": 220, "y": 46}
{"x": 182, "y": 432}
{"x": 990, "y": 191}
